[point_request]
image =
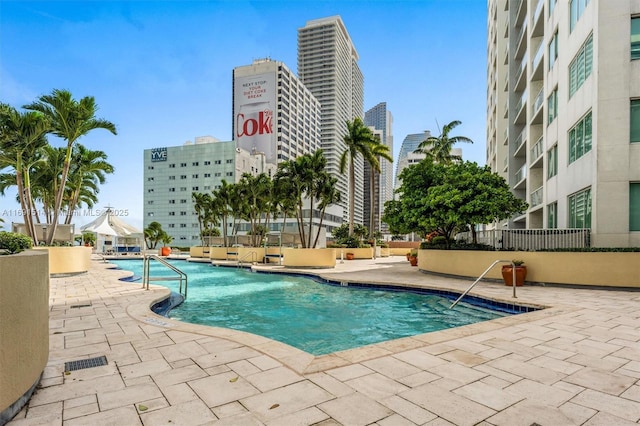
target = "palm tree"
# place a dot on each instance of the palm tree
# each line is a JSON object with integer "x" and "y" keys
{"x": 23, "y": 138}
{"x": 46, "y": 180}
{"x": 88, "y": 169}
{"x": 379, "y": 151}
{"x": 256, "y": 191}
{"x": 202, "y": 206}
{"x": 70, "y": 120}
{"x": 438, "y": 148}
{"x": 221, "y": 207}
{"x": 358, "y": 140}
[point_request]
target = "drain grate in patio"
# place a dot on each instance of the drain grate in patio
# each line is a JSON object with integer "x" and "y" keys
{"x": 86, "y": 305}
{"x": 85, "y": 363}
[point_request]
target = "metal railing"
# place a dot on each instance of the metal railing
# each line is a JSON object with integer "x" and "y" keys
{"x": 531, "y": 239}
{"x": 536, "y": 150}
{"x": 146, "y": 278}
{"x": 254, "y": 258}
{"x": 513, "y": 269}
{"x": 536, "y": 197}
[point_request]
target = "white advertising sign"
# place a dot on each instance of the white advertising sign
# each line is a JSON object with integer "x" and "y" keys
{"x": 255, "y": 101}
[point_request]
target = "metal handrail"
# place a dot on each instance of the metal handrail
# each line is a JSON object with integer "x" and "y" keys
{"x": 254, "y": 257}
{"x": 513, "y": 266}
{"x": 146, "y": 278}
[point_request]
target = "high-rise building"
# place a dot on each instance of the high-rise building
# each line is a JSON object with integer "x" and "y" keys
{"x": 407, "y": 156}
{"x": 328, "y": 66}
{"x": 273, "y": 112}
{"x": 381, "y": 120}
{"x": 172, "y": 174}
{"x": 563, "y": 113}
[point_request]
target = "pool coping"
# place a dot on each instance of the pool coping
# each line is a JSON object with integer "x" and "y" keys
{"x": 305, "y": 363}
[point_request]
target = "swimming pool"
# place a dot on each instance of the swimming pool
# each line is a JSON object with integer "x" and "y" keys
{"x": 307, "y": 314}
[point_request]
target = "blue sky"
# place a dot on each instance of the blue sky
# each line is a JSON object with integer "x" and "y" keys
{"x": 161, "y": 70}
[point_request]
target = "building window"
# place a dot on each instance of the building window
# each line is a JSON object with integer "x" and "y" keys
{"x": 172, "y": 201}
{"x": 552, "y": 162}
{"x": 217, "y": 162}
{"x": 150, "y": 190}
{"x": 183, "y": 164}
{"x": 229, "y": 161}
{"x": 172, "y": 166}
{"x": 635, "y": 120}
{"x": 183, "y": 225}
{"x": 553, "y": 50}
{"x": 580, "y": 67}
{"x": 229, "y": 173}
{"x": 195, "y": 163}
{"x": 634, "y": 206}
{"x": 150, "y": 214}
{"x": 150, "y": 168}
{"x": 580, "y": 138}
{"x": 183, "y": 201}
{"x": 172, "y": 225}
{"x": 150, "y": 202}
{"x": 552, "y": 216}
{"x": 206, "y": 163}
{"x": 194, "y": 188}
{"x": 183, "y": 188}
{"x": 552, "y": 106}
{"x": 149, "y": 179}
{"x": 635, "y": 38}
{"x": 580, "y": 209}
{"x": 172, "y": 178}
{"x": 183, "y": 213}
{"x": 218, "y": 174}
{"x": 172, "y": 190}
{"x": 172, "y": 213}
{"x": 194, "y": 176}
{"x": 207, "y": 175}
{"x": 576, "y": 7}
{"x": 183, "y": 176}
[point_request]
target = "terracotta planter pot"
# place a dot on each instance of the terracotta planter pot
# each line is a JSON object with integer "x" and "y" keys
{"x": 413, "y": 260}
{"x": 349, "y": 256}
{"x": 165, "y": 251}
{"x": 507, "y": 275}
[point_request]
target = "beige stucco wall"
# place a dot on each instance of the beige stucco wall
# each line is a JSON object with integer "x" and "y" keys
{"x": 218, "y": 253}
{"x": 601, "y": 269}
{"x": 68, "y": 260}
{"x": 358, "y": 253}
{"x": 309, "y": 258}
{"x": 24, "y": 323}
{"x": 196, "y": 251}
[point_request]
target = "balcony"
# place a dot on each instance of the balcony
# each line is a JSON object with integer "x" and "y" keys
{"x": 536, "y": 111}
{"x": 521, "y": 45}
{"x": 536, "y": 66}
{"x": 521, "y": 74}
{"x": 521, "y": 12}
{"x": 520, "y": 143}
{"x": 536, "y": 197}
{"x": 535, "y": 154}
{"x": 537, "y": 29}
{"x": 505, "y": 164}
{"x": 520, "y": 109}
{"x": 521, "y": 178}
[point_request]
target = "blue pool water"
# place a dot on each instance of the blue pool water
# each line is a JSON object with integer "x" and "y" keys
{"x": 309, "y": 315}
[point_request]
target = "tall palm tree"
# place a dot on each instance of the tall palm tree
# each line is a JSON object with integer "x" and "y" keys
{"x": 438, "y": 148}
{"x": 88, "y": 169}
{"x": 221, "y": 206}
{"x": 23, "y": 138}
{"x": 70, "y": 120}
{"x": 358, "y": 140}
{"x": 379, "y": 151}
{"x": 46, "y": 180}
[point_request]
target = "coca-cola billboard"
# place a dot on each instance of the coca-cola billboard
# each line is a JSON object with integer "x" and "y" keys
{"x": 254, "y": 103}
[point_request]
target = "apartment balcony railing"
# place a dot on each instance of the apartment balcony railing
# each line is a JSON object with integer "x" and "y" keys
{"x": 531, "y": 239}
{"x": 538, "y": 56}
{"x": 536, "y": 149}
{"x": 536, "y": 14}
{"x": 535, "y": 198}
{"x": 521, "y": 174}
{"x": 522, "y": 67}
{"x": 522, "y": 33}
{"x": 521, "y": 102}
{"x": 537, "y": 104}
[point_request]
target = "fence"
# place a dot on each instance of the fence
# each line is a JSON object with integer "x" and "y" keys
{"x": 531, "y": 239}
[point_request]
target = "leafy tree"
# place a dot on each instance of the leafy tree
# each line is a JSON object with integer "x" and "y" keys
{"x": 379, "y": 151}
{"x": 358, "y": 140}
{"x": 70, "y": 120}
{"x": 438, "y": 148}
{"x": 23, "y": 136}
{"x": 153, "y": 234}
{"x": 88, "y": 170}
{"x": 256, "y": 191}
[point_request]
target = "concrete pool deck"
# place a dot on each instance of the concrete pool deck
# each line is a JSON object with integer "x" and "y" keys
{"x": 575, "y": 363}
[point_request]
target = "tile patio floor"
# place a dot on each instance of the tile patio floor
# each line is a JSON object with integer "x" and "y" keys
{"x": 575, "y": 363}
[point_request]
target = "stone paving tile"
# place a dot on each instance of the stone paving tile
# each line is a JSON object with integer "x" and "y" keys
{"x": 494, "y": 398}
{"x": 183, "y": 350}
{"x": 243, "y": 367}
{"x": 526, "y": 370}
{"x": 527, "y": 414}
{"x": 118, "y": 417}
{"x": 539, "y": 393}
{"x": 76, "y": 389}
{"x": 450, "y": 406}
{"x": 222, "y": 389}
{"x": 144, "y": 368}
{"x": 264, "y": 362}
{"x": 605, "y": 419}
{"x": 330, "y": 384}
{"x": 408, "y": 409}
{"x": 274, "y": 378}
{"x": 236, "y": 354}
{"x": 376, "y": 386}
{"x": 179, "y": 393}
{"x": 355, "y": 410}
{"x": 420, "y": 359}
{"x": 601, "y": 380}
{"x": 48, "y": 420}
{"x": 129, "y": 395}
{"x": 308, "y": 416}
{"x": 391, "y": 367}
{"x": 577, "y": 413}
{"x": 246, "y": 419}
{"x": 394, "y": 420}
{"x": 350, "y": 372}
{"x": 178, "y": 375}
{"x": 229, "y": 410}
{"x": 627, "y": 409}
{"x": 287, "y": 400}
{"x": 190, "y": 413}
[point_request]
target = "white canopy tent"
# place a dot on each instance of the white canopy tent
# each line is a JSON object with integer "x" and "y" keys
{"x": 113, "y": 235}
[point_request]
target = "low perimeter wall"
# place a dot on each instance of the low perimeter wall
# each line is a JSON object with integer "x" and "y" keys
{"x": 309, "y": 258}
{"x": 584, "y": 268}
{"x": 24, "y": 330}
{"x": 68, "y": 260}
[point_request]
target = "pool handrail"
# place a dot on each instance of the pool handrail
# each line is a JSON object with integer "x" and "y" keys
{"x": 513, "y": 267}
{"x": 146, "y": 278}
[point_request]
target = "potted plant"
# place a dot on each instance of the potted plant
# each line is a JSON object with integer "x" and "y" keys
{"x": 349, "y": 256}
{"x": 521, "y": 273}
{"x": 166, "y": 239}
{"x": 413, "y": 258}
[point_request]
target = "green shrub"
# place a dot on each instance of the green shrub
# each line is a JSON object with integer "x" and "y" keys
{"x": 334, "y": 245}
{"x": 351, "y": 242}
{"x": 14, "y": 243}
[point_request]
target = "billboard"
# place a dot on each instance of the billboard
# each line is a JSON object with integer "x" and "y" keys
{"x": 158, "y": 154}
{"x": 255, "y": 102}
